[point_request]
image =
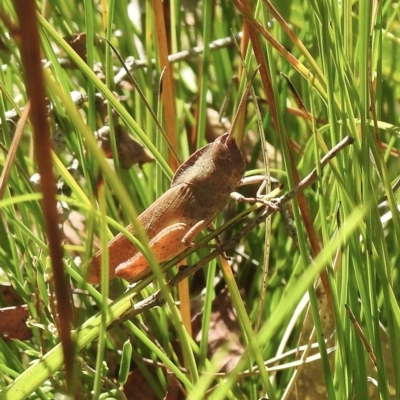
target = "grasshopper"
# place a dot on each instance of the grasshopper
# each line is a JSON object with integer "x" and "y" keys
{"x": 200, "y": 189}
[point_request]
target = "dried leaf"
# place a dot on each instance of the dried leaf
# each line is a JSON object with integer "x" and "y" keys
{"x": 13, "y": 323}
{"x": 173, "y": 388}
{"x": 215, "y": 126}
{"x": 9, "y": 295}
{"x": 129, "y": 150}
{"x": 78, "y": 43}
{"x": 137, "y": 388}
{"x": 224, "y": 330}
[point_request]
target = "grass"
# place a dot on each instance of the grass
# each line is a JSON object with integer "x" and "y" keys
{"x": 323, "y": 270}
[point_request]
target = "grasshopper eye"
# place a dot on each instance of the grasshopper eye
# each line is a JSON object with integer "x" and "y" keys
{"x": 220, "y": 150}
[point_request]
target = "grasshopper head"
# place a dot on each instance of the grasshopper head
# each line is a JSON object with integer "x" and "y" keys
{"x": 227, "y": 157}
{"x": 218, "y": 161}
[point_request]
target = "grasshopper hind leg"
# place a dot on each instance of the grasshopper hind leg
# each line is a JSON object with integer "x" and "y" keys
{"x": 165, "y": 245}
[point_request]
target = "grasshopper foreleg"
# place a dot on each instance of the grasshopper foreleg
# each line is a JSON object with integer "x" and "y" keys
{"x": 260, "y": 197}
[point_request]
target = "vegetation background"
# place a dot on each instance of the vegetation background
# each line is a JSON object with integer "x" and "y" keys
{"x": 246, "y": 329}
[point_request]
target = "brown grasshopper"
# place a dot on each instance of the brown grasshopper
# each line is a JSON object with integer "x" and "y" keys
{"x": 200, "y": 189}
